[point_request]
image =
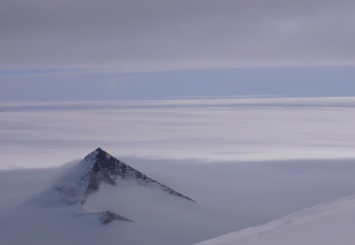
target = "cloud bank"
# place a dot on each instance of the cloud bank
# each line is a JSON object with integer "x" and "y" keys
{"x": 213, "y": 130}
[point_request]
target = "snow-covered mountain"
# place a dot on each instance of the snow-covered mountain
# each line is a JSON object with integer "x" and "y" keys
{"x": 99, "y": 168}
{"x": 103, "y": 200}
{"x": 325, "y": 224}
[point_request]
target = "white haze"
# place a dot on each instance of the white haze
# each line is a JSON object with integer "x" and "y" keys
{"x": 211, "y": 130}
{"x": 255, "y": 160}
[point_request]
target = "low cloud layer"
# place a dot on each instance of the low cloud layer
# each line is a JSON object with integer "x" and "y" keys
{"x": 157, "y": 35}
{"x": 213, "y": 130}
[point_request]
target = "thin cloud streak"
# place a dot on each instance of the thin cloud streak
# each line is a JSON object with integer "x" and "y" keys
{"x": 158, "y": 35}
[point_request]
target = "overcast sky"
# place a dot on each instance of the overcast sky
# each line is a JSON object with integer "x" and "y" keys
{"x": 74, "y": 37}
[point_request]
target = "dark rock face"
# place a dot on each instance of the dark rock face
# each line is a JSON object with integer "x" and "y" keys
{"x": 99, "y": 167}
{"x": 107, "y": 217}
{"x": 107, "y": 169}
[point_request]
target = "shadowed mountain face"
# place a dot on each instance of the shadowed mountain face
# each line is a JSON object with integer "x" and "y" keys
{"x": 100, "y": 167}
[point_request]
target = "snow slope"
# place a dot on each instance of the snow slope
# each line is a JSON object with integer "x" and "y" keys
{"x": 325, "y": 224}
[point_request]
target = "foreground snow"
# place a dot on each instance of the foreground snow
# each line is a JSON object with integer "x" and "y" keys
{"x": 326, "y": 224}
{"x": 281, "y": 188}
{"x": 157, "y": 219}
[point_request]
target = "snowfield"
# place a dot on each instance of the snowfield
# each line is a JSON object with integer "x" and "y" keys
{"x": 325, "y": 224}
{"x": 246, "y": 163}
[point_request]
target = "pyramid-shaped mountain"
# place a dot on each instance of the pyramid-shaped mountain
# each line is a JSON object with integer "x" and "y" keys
{"x": 100, "y": 167}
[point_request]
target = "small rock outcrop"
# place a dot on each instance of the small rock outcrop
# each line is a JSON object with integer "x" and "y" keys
{"x": 107, "y": 217}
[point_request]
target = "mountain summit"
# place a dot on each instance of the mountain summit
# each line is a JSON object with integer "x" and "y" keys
{"x": 100, "y": 167}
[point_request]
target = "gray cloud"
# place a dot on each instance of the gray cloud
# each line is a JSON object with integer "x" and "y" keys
{"x": 157, "y": 34}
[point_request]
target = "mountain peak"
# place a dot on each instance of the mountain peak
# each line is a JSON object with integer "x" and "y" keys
{"x": 96, "y": 154}
{"x": 99, "y": 167}
{"x": 98, "y": 149}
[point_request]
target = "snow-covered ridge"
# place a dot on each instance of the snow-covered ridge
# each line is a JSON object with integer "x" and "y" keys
{"x": 325, "y": 224}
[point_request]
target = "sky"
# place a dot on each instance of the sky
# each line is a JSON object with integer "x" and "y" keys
{"x": 97, "y": 50}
